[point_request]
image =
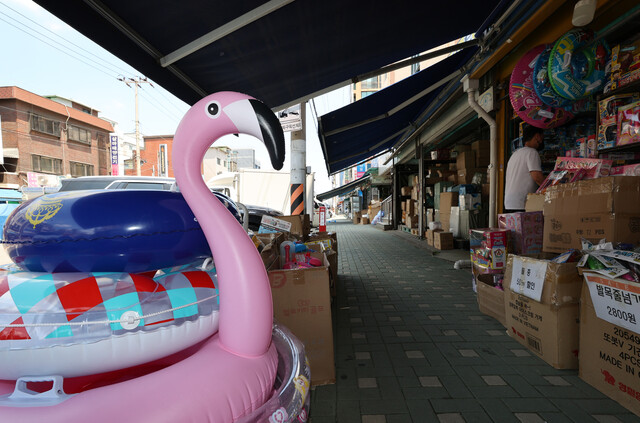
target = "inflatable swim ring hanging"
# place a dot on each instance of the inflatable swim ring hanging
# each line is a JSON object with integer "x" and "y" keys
{"x": 577, "y": 66}
{"x": 524, "y": 99}
{"x": 547, "y": 94}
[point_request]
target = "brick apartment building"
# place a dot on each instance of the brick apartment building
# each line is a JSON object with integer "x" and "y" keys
{"x": 155, "y": 157}
{"x": 42, "y": 138}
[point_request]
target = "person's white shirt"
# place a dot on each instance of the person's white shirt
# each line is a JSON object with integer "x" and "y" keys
{"x": 518, "y": 181}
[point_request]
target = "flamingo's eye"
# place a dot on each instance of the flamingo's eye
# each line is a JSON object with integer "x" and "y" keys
{"x": 213, "y": 109}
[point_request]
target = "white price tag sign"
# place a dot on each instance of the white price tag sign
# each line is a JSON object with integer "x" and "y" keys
{"x": 527, "y": 277}
{"x": 615, "y": 302}
{"x": 275, "y": 224}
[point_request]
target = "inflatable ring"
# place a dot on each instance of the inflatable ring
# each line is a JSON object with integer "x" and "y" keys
{"x": 523, "y": 97}
{"x": 138, "y": 388}
{"x": 77, "y": 324}
{"x": 577, "y": 67}
{"x": 547, "y": 94}
{"x": 130, "y": 231}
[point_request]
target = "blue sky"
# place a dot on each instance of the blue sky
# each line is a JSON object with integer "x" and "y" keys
{"x": 45, "y": 56}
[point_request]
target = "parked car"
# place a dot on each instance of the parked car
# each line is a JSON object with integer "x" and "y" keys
{"x": 117, "y": 182}
{"x": 159, "y": 183}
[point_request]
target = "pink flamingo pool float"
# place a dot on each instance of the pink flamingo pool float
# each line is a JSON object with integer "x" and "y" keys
{"x": 230, "y": 375}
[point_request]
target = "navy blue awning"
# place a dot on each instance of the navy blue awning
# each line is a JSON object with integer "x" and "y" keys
{"x": 345, "y": 189}
{"x": 280, "y": 51}
{"x": 376, "y": 123}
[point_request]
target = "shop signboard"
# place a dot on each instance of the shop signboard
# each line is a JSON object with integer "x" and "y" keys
{"x": 114, "y": 155}
{"x": 322, "y": 219}
{"x": 290, "y": 119}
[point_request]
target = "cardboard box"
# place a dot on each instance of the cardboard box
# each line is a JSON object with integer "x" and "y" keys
{"x": 447, "y": 200}
{"x": 445, "y": 219}
{"x": 526, "y": 231}
{"x": 534, "y": 202}
{"x": 329, "y": 239}
{"x": 437, "y": 189}
{"x": 374, "y": 209}
{"x": 548, "y": 327}
{"x": 271, "y": 249}
{"x": 470, "y": 201}
{"x": 430, "y": 216}
{"x": 593, "y": 209}
{"x": 466, "y": 176}
{"x": 609, "y": 352}
{"x": 466, "y": 160}
{"x": 364, "y": 220}
{"x": 443, "y": 240}
{"x": 430, "y": 236}
{"x": 300, "y": 225}
{"x": 490, "y": 298}
{"x": 410, "y": 206}
{"x": 332, "y": 259}
{"x": 302, "y": 303}
{"x": 483, "y": 152}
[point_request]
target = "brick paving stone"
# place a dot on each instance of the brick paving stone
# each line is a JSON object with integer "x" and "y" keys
{"x": 452, "y": 362}
{"x": 451, "y": 418}
{"x": 557, "y": 380}
{"x": 529, "y": 418}
{"x": 494, "y": 380}
{"x": 430, "y": 381}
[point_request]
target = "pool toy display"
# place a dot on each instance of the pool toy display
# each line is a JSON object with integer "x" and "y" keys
{"x": 204, "y": 340}
{"x": 524, "y": 99}
{"x": 577, "y": 64}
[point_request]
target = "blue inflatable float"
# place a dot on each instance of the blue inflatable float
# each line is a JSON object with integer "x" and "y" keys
{"x": 105, "y": 231}
{"x": 577, "y": 64}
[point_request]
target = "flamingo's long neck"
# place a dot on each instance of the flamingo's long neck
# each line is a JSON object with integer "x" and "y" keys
{"x": 246, "y": 309}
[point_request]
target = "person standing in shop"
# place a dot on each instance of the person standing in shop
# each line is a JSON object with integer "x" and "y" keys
{"x": 524, "y": 170}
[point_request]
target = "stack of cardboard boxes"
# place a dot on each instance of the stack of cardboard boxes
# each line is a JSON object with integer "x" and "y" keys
{"x": 570, "y": 317}
{"x": 302, "y": 297}
{"x": 409, "y": 206}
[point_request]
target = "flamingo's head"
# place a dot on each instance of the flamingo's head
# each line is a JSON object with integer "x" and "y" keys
{"x": 227, "y": 113}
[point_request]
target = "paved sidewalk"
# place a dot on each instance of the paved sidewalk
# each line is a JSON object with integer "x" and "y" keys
{"x": 411, "y": 346}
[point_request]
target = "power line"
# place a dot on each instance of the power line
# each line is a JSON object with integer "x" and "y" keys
{"x": 51, "y": 45}
{"x": 68, "y": 53}
{"x": 107, "y": 63}
{"x": 157, "y": 106}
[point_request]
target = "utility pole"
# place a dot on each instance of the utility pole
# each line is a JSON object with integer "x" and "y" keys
{"x": 136, "y": 83}
{"x": 298, "y": 165}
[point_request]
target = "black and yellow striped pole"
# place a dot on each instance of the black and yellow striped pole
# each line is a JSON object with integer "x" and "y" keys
{"x": 297, "y": 199}
{"x": 298, "y": 166}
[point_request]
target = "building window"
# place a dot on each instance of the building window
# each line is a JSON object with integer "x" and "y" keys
{"x": 218, "y": 161}
{"x": 81, "y": 169}
{"x": 371, "y": 84}
{"x": 46, "y": 164}
{"x": 82, "y": 135}
{"x": 44, "y": 125}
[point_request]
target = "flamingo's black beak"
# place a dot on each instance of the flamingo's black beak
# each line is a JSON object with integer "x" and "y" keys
{"x": 272, "y": 134}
